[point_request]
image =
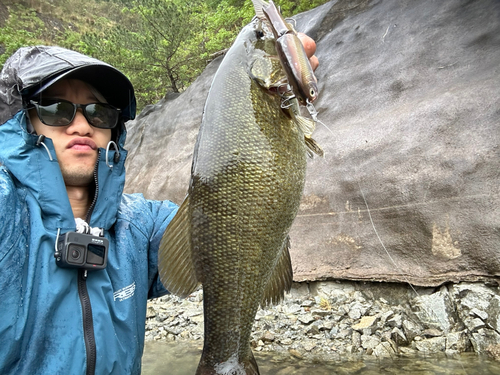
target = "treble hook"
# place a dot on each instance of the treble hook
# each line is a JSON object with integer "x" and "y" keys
{"x": 286, "y": 102}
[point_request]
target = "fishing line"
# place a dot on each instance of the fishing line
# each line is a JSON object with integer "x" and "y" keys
{"x": 380, "y": 240}
{"x": 398, "y": 268}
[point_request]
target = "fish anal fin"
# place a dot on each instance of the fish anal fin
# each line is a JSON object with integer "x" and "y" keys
{"x": 281, "y": 278}
{"x": 175, "y": 261}
{"x": 313, "y": 146}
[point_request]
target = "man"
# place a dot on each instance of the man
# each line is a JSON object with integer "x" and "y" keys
{"x": 62, "y": 133}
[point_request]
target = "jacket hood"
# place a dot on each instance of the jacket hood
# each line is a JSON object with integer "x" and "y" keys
{"x": 32, "y": 69}
{"x": 36, "y": 170}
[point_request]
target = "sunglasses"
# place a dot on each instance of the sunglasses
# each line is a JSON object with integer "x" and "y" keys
{"x": 59, "y": 112}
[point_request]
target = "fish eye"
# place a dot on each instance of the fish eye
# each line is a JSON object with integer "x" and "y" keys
{"x": 312, "y": 92}
{"x": 259, "y": 34}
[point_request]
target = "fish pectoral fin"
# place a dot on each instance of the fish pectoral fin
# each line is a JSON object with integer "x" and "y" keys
{"x": 281, "y": 278}
{"x": 175, "y": 261}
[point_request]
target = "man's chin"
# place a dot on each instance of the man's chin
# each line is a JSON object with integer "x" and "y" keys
{"x": 78, "y": 178}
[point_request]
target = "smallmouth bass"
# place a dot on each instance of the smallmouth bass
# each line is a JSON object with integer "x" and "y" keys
{"x": 247, "y": 178}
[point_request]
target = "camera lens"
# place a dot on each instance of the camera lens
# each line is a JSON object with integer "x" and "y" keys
{"x": 75, "y": 254}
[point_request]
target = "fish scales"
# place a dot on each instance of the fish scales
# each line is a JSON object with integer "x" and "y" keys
{"x": 247, "y": 179}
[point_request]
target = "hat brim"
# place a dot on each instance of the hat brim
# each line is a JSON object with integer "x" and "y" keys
{"x": 110, "y": 82}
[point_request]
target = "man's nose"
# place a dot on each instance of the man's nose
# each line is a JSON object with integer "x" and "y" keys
{"x": 80, "y": 125}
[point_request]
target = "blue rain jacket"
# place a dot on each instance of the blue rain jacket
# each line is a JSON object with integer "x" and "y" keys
{"x": 42, "y": 314}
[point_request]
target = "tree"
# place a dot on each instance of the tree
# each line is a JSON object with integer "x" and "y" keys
{"x": 155, "y": 46}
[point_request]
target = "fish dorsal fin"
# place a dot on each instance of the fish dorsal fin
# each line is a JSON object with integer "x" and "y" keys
{"x": 281, "y": 277}
{"x": 176, "y": 266}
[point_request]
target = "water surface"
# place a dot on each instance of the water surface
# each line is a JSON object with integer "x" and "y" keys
{"x": 181, "y": 358}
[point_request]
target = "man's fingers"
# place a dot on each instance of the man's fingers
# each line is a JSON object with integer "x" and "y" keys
{"x": 310, "y": 48}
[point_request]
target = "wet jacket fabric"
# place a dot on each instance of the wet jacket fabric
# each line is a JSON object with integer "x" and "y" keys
{"x": 51, "y": 317}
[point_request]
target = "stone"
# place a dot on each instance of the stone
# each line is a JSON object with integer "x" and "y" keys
{"x": 369, "y": 342}
{"x": 395, "y": 321}
{"x": 306, "y": 319}
{"x": 398, "y": 336}
{"x": 432, "y": 345}
{"x": 365, "y": 322}
{"x": 436, "y": 310}
{"x": 268, "y": 337}
{"x": 384, "y": 349}
{"x": 411, "y": 329}
{"x": 431, "y": 332}
{"x": 457, "y": 341}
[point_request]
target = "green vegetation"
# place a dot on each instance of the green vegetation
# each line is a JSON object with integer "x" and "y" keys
{"x": 161, "y": 45}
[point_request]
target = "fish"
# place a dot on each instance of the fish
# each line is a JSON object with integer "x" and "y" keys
{"x": 231, "y": 232}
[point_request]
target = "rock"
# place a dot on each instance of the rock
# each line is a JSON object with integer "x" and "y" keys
{"x": 396, "y": 321}
{"x": 483, "y": 315}
{"x": 411, "y": 329}
{"x": 457, "y": 342}
{"x": 307, "y": 303}
{"x": 432, "y": 345}
{"x": 494, "y": 351}
{"x": 295, "y": 353}
{"x": 268, "y": 337}
{"x": 483, "y": 339}
{"x": 399, "y": 337}
{"x": 384, "y": 349}
{"x": 306, "y": 319}
{"x": 365, "y": 322}
{"x": 356, "y": 339}
{"x": 369, "y": 342}
{"x": 436, "y": 310}
{"x": 431, "y": 332}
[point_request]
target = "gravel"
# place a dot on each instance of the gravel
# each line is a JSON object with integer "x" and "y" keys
{"x": 336, "y": 320}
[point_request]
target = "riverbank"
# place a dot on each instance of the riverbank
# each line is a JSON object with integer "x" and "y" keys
{"x": 339, "y": 320}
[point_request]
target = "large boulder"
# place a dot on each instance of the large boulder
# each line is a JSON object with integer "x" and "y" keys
{"x": 408, "y": 189}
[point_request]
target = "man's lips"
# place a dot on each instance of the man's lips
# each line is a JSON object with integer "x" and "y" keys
{"x": 82, "y": 144}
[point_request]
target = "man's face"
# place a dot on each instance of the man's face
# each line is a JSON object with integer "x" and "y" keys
{"x": 76, "y": 144}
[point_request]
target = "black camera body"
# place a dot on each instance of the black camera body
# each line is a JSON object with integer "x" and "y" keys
{"x": 79, "y": 250}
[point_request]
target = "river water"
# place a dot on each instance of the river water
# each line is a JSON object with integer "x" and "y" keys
{"x": 181, "y": 358}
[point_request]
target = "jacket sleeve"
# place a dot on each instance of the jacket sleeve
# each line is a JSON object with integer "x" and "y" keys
{"x": 163, "y": 213}
{"x": 11, "y": 216}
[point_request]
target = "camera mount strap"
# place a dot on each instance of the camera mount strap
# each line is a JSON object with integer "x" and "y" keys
{"x": 83, "y": 227}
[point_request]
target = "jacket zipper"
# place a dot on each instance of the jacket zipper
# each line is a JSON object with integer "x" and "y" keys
{"x": 88, "y": 321}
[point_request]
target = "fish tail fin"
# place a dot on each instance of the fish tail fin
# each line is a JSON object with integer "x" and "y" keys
{"x": 231, "y": 366}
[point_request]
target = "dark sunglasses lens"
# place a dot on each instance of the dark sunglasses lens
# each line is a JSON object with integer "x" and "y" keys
{"x": 56, "y": 114}
{"x": 102, "y": 115}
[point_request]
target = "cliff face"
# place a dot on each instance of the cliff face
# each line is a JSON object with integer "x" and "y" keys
{"x": 409, "y": 186}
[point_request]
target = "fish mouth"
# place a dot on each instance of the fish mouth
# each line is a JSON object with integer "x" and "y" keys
{"x": 82, "y": 144}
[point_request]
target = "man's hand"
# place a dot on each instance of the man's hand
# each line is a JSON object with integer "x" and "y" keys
{"x": 310, "y": 47}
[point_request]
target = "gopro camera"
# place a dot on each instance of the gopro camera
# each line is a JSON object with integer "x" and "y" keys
{"x": 78, "y": 250}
